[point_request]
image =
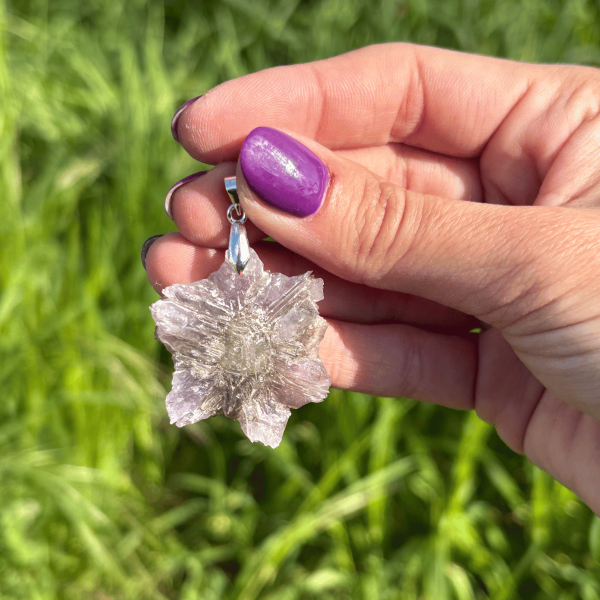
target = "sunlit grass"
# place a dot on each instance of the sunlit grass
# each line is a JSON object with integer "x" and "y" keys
{"x": 366, "y": 498}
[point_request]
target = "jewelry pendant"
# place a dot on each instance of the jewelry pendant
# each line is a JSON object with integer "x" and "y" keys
{"x": 244, "y": 341}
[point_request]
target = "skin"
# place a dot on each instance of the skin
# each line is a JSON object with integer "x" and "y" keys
{"x": 464, "y": 191}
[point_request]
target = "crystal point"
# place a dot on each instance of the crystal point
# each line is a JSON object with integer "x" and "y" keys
{"x": 244, "y": 345}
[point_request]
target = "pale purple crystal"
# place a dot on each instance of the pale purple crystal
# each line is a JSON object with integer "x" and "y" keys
{"x": 245, "y": 346}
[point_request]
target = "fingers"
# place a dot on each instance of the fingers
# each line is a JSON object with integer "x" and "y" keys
{"x": 199, "y": 206}
{"x": 535, "y": 127}
{"x": 421, "y": 171}
{"x": 495, "y": 262}
{"x": 400, "y": 360}
{"x": 173, "y": 259}
{"x": 435, "y": 99}
{"x": 545, "y": 150}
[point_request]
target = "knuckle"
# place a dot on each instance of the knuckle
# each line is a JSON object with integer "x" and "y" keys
{"x": 581, "y": 98}
{"x": 381, "y": 238}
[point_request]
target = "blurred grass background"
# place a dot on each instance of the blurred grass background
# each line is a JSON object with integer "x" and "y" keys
{"x": 366, "y": 498}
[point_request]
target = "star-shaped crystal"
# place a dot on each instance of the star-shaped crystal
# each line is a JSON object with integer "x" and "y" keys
{"x": 245, "y": 346}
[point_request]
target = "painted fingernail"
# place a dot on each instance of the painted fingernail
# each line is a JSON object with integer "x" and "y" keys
{"x": 170, "y": 193}
{"x": 146, "y": 246}
{"x": 177, "y": 114}
{"x": 282, "y": 172}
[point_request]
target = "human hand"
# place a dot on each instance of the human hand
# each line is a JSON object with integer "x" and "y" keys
{"x": 440, "y": 191}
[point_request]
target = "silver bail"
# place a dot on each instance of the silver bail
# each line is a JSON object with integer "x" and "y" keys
{"x": 231, "y": 187}
{"x": 238, "y": 253}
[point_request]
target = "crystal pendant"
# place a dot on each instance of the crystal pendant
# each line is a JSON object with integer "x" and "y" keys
{"x": 244, "y": 341}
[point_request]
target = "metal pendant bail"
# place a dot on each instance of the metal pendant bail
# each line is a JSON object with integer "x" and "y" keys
{"x": 231, "y": 188}
{"x": 238, "y": 253}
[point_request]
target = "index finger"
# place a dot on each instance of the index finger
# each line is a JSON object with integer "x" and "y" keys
{"x": 440, "y": 100}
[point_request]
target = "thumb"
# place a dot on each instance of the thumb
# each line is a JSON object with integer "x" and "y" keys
{"x": 496, "y": 262}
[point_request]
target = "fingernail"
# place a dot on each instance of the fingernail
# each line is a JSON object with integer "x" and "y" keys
{"x": 282, "y": 172}
{"x": 146, "y": 246}
{"x": 177, "y": 114}
{"x": 170, "y": 193}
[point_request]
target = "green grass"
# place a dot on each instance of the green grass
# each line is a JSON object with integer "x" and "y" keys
{"x": 366, "y": 498}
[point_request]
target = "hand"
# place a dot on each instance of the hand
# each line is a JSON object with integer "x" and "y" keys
{"x": 438, "y": 191}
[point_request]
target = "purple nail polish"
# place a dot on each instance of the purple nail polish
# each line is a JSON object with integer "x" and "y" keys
{"x": 170, "y": 193}
{"x": 282, "y": 172}
{"x": 176, "y": 116}
{"x": 146, "y": 247}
